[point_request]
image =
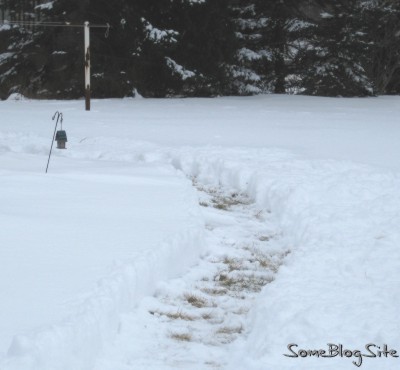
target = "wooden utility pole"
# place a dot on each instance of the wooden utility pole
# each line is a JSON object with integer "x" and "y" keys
{"x": 87, "y": 65}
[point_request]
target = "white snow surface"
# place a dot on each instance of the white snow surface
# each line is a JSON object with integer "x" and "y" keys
{"x": 115, "y": 216}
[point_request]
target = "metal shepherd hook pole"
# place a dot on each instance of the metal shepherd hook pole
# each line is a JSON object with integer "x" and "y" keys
{"x": 59, "y": 116}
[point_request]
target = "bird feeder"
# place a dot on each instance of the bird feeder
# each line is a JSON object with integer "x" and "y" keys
{"x": 61, "y": 138}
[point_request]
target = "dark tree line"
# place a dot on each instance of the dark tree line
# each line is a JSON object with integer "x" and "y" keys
{"x": 161, "y": 48}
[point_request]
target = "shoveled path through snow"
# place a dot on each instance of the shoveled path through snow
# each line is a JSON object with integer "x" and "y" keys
{"x": 191, "y": 321}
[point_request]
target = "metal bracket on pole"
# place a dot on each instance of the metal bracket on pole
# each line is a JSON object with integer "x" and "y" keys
{"x": 87, "y": 65}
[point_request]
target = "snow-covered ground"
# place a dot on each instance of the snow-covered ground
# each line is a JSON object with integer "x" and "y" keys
{"x": 116, "y": 218}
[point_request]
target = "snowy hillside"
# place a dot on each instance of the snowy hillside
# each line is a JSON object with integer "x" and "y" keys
{"x": 200, "y": 234}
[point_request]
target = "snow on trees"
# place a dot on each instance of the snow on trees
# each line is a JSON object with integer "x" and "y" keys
{"x": 202, "y": 48}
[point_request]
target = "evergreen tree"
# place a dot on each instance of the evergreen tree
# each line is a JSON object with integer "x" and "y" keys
{"x": 339, "y": 49}
{"x": 272, "y": 34}
{"x": 206, "y": 48}
{"x": 19, "y": 51}
{"x": 382, "y": 24}
{"x": 244, "y": 70}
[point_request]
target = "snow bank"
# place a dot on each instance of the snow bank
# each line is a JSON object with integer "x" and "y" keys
{"x": 340, "y": 284}
{"x": 82, "y": 246}
{"x": 75, "y": 343}
{"x": 16, "y": 97}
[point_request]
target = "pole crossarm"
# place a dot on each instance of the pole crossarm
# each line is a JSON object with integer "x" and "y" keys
{"x": 52, "y": 24}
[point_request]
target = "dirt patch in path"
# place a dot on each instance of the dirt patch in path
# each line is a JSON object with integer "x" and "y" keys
{"x": 191, "y": 321}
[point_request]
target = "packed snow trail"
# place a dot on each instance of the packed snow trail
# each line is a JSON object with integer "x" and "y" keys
{"x": 191, "y": 321}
